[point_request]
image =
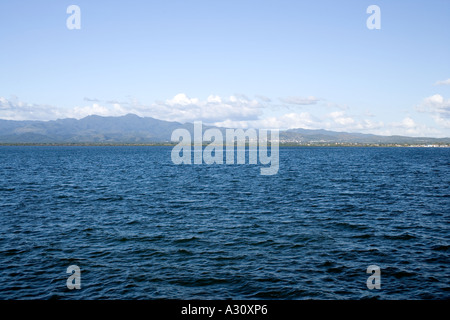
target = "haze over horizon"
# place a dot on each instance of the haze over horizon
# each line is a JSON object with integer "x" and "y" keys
{"x": 261, "y": 64}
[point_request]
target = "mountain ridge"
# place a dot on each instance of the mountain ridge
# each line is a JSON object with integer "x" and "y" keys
{"x": 131, "y": 128}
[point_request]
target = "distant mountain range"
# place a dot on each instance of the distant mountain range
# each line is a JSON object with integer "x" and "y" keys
{"x": 137, "y": 130}
{"x": 91, "y": 129}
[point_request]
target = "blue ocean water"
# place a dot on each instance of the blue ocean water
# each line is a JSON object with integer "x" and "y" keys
{"x": 140, "y": 227}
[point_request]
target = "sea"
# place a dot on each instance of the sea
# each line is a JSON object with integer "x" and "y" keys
{"x": 140, "y": 227}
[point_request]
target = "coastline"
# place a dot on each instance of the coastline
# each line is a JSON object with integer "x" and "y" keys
{"x": 167, "y": 144}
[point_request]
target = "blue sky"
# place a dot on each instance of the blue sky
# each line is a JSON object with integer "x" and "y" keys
{"x": 284, "y": 64}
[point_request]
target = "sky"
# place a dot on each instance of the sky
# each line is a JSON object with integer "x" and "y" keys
{"x": 246, "y": 63}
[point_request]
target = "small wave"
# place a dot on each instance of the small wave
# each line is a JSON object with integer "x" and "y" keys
{"x": 282, "y": 293}
{"x": 184, "y": 251}
{"x": 336, "y": 269}
{"x": 351, "y": 226}
{"x": 133, "y": 222}
{"x": 110, "y": 199}
{"x": 8, "y": 189}
{"x": 12, "y": 252}
{"x": 183, "y": 240}
{"x": 440, "y": 248}
{"x": 403, "y": 236}
{"x": 363, "y": 236}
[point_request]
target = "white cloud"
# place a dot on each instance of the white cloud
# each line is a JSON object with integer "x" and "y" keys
{"x": 438, "y": 107}
{"x": 408, "y": 123}
{"x": 184, "y": 109}
{"x": 97, "y": 109}
{"x": 263, "y": 98}
{"x": 408, "y": 127}
{"x": 300, "y": 100}
{"x": 13, "y": 109}
{"x": 181, "y": 100}
{"x": 340, "y": 121}
{"x": 436, "y": 100}
{"x": 340, "y": 118}
{"x": 286, "y": 121}
{"x": 442, "y": 82}
{"x": 91, "y": 99}
{"x": 180, "y": 108}
{"x": 367, "y": 113}
{"x": 214, "y": 99}
{"x": 238, "y": 111}
{"x": 369, "y": 125}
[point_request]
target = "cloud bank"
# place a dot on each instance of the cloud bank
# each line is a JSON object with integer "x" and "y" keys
{"x": 239, "y": 111}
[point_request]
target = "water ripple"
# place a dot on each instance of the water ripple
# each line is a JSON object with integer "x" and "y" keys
{"x": 141, "y": 227}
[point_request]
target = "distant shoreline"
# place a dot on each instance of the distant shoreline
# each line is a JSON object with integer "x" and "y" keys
{"x": 90, "y": 144}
